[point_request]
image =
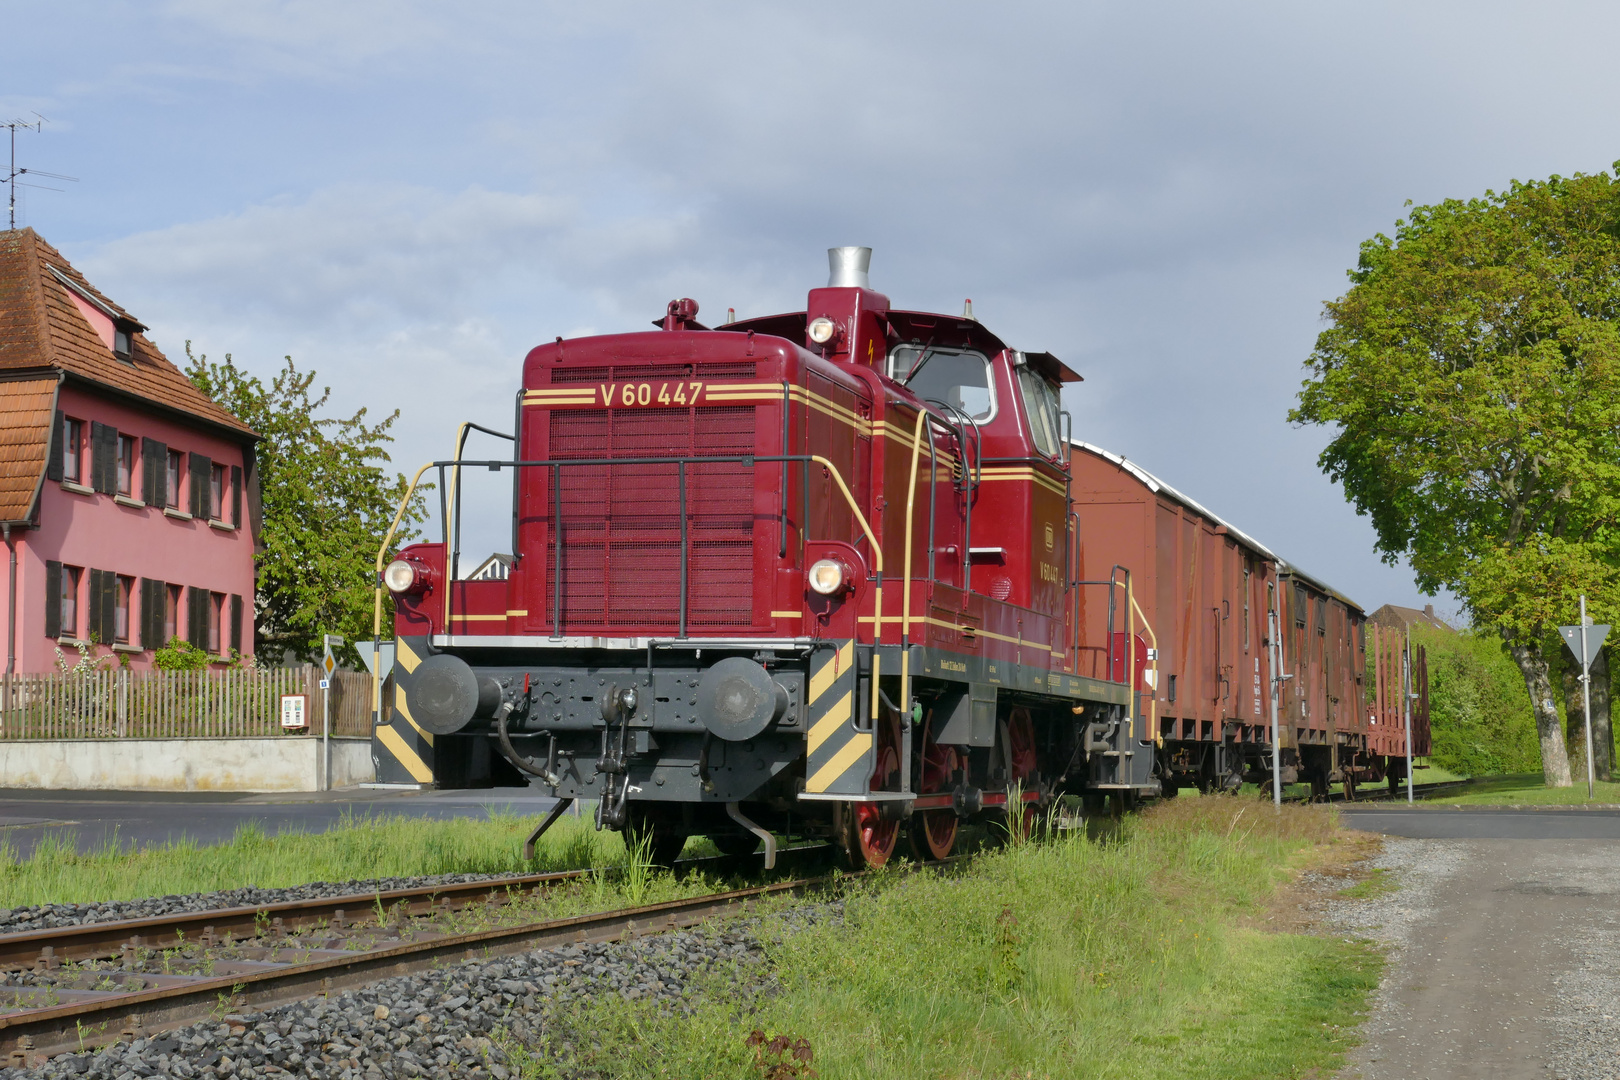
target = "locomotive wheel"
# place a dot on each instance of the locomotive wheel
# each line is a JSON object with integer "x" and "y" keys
{"x": 933, "y": 832}
{"x": 868, "y": 837}
{"x": 664, "y": 839}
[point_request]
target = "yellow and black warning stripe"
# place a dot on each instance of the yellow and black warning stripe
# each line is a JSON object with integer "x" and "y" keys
{"x": 838, "y": 759}
{"x": 402, "y": 749}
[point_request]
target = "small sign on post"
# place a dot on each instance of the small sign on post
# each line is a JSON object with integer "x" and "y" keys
{"x": 295, "y": 711}
{"x": 1584, "y": 641}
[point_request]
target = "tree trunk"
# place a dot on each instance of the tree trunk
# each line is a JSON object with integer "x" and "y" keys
{"x": 1533, "y": 666}
{"x": 1569, "y": 669}
{"x": 1602, "y": 731}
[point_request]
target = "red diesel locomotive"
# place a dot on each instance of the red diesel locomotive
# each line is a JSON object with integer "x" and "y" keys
{"x": 814, "y": 573}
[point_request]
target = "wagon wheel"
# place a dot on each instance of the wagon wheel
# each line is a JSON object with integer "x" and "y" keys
{"x": 657, "y": 830}
{"x": 933, "y": 832}
{"x": 867, "y": 836}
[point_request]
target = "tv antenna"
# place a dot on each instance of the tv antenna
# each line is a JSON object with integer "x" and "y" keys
{"x": 36, "y": 124}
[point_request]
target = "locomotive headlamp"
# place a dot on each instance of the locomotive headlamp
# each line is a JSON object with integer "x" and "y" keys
{"x": 402, "y": 577}
{"x": 827, "y": 576}
{"x": 821, "y": 330}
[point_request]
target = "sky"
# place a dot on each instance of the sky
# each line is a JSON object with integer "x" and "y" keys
{"x": 407, "y": 196}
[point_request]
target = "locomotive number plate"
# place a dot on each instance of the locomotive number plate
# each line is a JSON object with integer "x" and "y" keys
{"x": 659, "y": 394}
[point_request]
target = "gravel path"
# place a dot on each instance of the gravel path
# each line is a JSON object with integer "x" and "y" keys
{"x": 1504, "y": 960}
{"x": 49, "y": 916}
{"x": 445, "y": 1022}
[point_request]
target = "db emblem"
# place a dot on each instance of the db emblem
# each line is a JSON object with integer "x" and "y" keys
{"x": 1048, "y": 536}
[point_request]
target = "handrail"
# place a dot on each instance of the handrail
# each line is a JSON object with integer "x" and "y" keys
{"x": 905, "y": 573}
{"x": 453, "y": 497}
{"x": 376, "y": 618}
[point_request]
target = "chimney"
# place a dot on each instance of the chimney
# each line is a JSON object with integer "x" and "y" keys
{"x": 848, "y": 267}
{"x": 1428, "y": 612}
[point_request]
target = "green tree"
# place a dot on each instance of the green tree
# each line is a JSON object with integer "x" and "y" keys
{"x": 1472, "y": 374}
{"x": 327, "y": 502}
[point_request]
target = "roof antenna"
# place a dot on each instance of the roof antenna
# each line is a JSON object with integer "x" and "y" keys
{"x": 36, "y": 124}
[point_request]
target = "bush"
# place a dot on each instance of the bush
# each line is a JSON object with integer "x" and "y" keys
{"x": 1479, "y": 711}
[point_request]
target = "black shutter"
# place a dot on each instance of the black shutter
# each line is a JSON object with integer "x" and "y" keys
{"x": 53, "y": 470}
{"x": 236, "y": 622}
{"x": 150, "y": 629}
{"x": 103, "y": 458}
{"x": 107, "y": 601}
{"x": 197, "y": 616}
{"x": 236, "y": 495}
{"x": 53, "y": 594}
{"x": 154, "y": 473}
{"x": 92, "y": 612}
{"x": 201, "y": 484}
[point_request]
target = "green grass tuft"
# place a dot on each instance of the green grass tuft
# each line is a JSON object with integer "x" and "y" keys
{"x": 360, "y": 847}
{"x": 1125, "y": 957}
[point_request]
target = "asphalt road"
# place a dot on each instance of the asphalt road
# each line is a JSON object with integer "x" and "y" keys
{"x": 1485, "y": 822}
{"x": 94, "y": 819}
{"x": 1506, "y": 959}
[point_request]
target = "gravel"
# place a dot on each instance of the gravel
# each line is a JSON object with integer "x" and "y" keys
{"x": 448, "y": 1021}
{"x": 48, "y": 916}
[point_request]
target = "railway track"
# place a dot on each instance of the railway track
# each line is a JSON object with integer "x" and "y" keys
{"x": 77, "y": 988}
{"x": 1422, "y": 792}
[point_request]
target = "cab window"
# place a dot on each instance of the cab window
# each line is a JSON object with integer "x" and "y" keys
{"x": 958, "y": 378}
{"x": 1041, "y": 403}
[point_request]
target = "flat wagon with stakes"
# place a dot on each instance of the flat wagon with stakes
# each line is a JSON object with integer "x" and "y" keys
{"x": 819, "y": 573}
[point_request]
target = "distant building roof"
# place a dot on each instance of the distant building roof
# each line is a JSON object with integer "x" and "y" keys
{"x": 46, "y": 308}
{"x": 497, "y": 567}
{"x": 1395, "y": 617}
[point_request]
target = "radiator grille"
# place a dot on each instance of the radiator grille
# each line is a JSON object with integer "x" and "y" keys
{"x": 621, "y": 526}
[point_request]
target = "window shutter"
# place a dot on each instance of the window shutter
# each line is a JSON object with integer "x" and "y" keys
{"x": 236, "y": 495}
{"x": 236, "y": 622}
{"x": 154, "y": 473}
{"x": 201, "y": 485}
{"x": 53, "y": 592}
{"x": 92, "y": 613}
{"x": 197, "y": 616}
{"x": 106, "y": 599}
{"x": 150, "y": 628}
{"x": 103, "y": 458}
{"x": 53, "y": 470}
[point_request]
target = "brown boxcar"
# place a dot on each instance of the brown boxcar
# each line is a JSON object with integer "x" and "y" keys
{"x": 1203, "y": 597}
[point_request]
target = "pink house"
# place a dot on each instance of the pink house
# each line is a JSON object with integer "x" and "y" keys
{"x": 128, "y": 498}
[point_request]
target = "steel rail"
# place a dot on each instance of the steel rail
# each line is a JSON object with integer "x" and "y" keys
{"x": 27, "y": 1036}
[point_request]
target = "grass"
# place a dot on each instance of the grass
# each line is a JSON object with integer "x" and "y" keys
{"x": 1377, "y": 883}
{"x": 1128, "y": 955}
{"x": 360, "y": 847}
{"x": 1526, "y": 789}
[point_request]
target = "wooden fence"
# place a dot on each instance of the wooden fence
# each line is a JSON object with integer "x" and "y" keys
{"x": 235, "y": 703}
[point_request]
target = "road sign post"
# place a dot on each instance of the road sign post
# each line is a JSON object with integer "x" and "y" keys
{"x": 1583, "y": 641}
{"x": 328, "y": 669}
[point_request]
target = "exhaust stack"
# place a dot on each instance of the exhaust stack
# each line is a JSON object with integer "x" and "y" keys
{"x": 848, "y": 267}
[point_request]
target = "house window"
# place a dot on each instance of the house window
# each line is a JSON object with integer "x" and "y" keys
{"x": 216, "y": 493}
{"x": 216, "y": 616}
{"x": 121, "y": 342}
{"x": 68, "y": 602}
{"x": 176, "y": 468}
{"x": 121, "y": 592}
{"x": 171, "y": 613}
{"x": 72, "y": 450}
{"x": 126, "y": 465}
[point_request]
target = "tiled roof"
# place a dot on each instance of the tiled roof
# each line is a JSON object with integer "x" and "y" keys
{"x": 26, "y": 409}
{"x": 41, "y": 327}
